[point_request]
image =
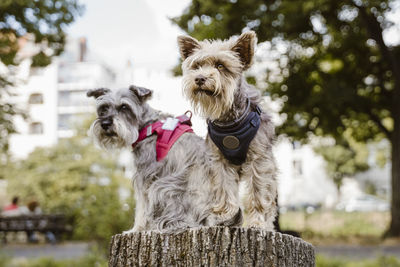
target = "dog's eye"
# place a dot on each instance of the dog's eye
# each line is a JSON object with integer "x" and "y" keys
{"x": 103, "y": 110}
{"x": 220, "y": 67}
{"x": 124, "y": 107}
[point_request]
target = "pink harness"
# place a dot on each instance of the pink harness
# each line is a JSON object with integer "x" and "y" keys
{"x": 168, "y": 132}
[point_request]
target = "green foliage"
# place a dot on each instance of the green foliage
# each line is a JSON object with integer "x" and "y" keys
{"x": 44, "y": 20}
{"x": 79, "y": 180}
{"x": 41, "y": 21}
{"x": 370, "y": 188}
{"x": 6, "y": 126}
{"x": 40, "y": 60}
{"x": 345, "y": 158}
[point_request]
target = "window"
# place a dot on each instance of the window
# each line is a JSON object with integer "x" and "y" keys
{"x": 35, "y": 99}
{"x": 36, "y": 128}
{"x": 64, "y": 98}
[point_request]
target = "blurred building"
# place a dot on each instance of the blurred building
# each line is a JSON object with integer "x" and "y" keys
{"x": 303, "y": 180}
{"x": 53, "y": 98}
{"x": 302, "y": 177}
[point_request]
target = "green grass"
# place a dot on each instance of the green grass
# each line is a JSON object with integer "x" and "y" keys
{"x": 378, "y": 262}
{"x": 94, "y": 259}
{"x": 336, "y": 226}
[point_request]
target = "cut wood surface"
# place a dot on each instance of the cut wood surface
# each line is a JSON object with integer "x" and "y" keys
{"x": 210, "y": 246}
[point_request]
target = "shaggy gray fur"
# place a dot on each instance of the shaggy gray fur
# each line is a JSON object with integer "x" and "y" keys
{"x": 173, "y": 193}
{"x": 213, "y": 82}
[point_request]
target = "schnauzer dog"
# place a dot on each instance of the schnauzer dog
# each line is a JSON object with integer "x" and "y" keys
{"x": 240, "y": 134}
{"x": 170, "y": 193}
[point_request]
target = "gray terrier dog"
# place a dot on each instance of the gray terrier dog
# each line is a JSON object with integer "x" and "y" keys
{"x": 171, "y": 193}
{"x": 240, "y": 134}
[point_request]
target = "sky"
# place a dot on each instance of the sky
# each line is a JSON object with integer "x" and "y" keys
{"x": 139, "y": 30}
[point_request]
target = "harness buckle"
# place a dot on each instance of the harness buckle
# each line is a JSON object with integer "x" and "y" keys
{"x": 170, "y": 124}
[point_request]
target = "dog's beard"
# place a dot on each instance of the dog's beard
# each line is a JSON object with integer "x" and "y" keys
{"x": 211, "y": 100}
{"x": 122, "y": 136}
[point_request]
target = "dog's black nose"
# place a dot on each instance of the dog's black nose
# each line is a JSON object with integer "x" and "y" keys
{"x": 200, "y": 80}
{"x": 106, "y": 123}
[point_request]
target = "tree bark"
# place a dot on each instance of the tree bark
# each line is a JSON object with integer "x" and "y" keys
{"x": 210, "y": 246}
{"x": 394, "y": 229}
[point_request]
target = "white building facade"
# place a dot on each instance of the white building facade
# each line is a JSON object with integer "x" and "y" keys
{"x": 54, "y": 97}
{"x": 37, "y": 98}
{"x": 302, "y": 177}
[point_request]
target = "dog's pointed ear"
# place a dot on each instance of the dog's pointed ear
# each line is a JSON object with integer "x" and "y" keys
{"x": 244, "y": 47}
{"x": 187, "y": 45}
{"x": 141, "y": 92}
{"x": 97, "y": 92}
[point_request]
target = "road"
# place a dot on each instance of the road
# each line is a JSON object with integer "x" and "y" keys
{"x": 358, "y": 252}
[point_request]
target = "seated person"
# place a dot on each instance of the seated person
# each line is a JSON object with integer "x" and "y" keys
{"x": 12, "y": 209}
{"x": 34, "y": 209}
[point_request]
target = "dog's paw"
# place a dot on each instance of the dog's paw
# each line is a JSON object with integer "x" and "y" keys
{"x": 260, "y": 224}
{"x": 225, "y": 219}
{"x": 236, "y": 220}
{"x": 133, "y": 230}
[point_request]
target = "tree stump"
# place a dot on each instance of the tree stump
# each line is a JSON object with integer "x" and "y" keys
{"x": 210, "y": 246}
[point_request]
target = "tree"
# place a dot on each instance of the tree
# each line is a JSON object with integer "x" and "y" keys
{"x": 44, "y": 22}
{"x": 76, "y": 179}
{"x": 335, "y": 71}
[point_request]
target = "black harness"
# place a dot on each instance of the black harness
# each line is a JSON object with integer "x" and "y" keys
{"x": 233, "y": 139}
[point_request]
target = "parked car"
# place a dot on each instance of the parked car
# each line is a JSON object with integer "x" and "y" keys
{"x": 363, "y": 203}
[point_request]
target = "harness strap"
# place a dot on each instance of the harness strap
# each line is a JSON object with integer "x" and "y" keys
{"x": 166, "y": 137}
{"x": 233, "y": 139}
{"x": 147, "y": 131}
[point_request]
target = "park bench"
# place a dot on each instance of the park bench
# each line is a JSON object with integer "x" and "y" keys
{"x": 55, "y": 223}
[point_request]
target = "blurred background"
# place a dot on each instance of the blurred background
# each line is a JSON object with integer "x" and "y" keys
{"x": 330, "y": 75}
